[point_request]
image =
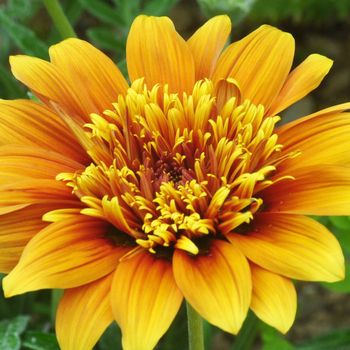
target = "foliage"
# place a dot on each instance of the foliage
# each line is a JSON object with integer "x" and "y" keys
{"x": 300, "y": 11}
{"x": 25, "y": 28}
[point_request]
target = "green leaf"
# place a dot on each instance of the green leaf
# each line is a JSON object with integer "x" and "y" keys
{"x": 208, "y": 332}
{"x": 158, "y": 7}
{"x": 40, "y": 341}
{"x": 337, "y": 340}
{"x": 106, "y": 39}
{"x": 23, "y": 37}
{"x": 246, "y": 336}
{"x": 341, "y": 222}
{"x": 10, "y": 331}
{"x": 236, "y": 9}
{"x": 272, "y": 340}
{"x": 111, "y": 338}
{"x": 10, "y": 87}
{"x": 22, "y": 9}
{"x": 73, "y": 11}
{"x": 104, "y": 12}
{"x": 343, "y": 237}
{"x": 177, "y": 333}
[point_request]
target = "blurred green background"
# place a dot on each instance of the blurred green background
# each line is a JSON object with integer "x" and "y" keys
{"x": 319, "y": 26}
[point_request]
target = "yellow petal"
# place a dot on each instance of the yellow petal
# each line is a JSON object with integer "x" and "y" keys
{"x": 97, "y": 77}
{"x": 46, "y": 81}
{"x": 217, "y": 285}
{"x": 293, "y": 246}
{"x": 206, "y": 44}
{"x": 65, "y": 254}
{"x": 274, "y": 298}
{"x": 83, "y": 315}
{"x": 302, "y": 80}
{"x": 322, "y": 113}
{"x": 29, "y": 191}
{"x": 260, "y": 63}
{"x": 226, "y": 89}
{"x": 316, "y": 190}
{"x": 145, "y": 300}
{"x": 331, "y": 131}
{"x": 155, "y": 51}
{"x": 15, "y": 233}
{"x": 19, "y": 162}
{"x": 28, "y": 123}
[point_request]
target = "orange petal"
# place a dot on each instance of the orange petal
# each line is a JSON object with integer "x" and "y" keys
{"x": 206, "y": 44}
{"x": 15, "y": 233}
{"x": 65, "y": 254}
{"x": 302, "y": 80}
{"x": 293, "y": 246}
{"x": 145, "y": 300}
{"x": 36, "y": 191}
{"x": 28, "y": 123}
{"x": 217, "y": 285}
{"x": 46, "y": 81}
{"x": 97, "y": 77}
{"x": 83, "y": 315}
{"x": 316, "y": 190}
{"x": 20, "y": 162}
{"x": 331, "y": 131}
{"x": 155, "y": 51}
{"x": 226, "y": 89}
{"x": 260, "y": 63}
{"x": 322, "y": 113}
{"x": 274, "y": 298}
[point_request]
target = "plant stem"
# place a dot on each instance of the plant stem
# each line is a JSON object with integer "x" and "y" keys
{"x": 59, "y": 19}
{"x": 195, "y": 329}
{"x": 246, "y": 336}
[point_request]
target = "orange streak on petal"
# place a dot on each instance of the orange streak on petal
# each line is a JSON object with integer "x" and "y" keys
{"x": 15, "y": 233}
{"x": 65, "y": 254}
{"x": 206, "y": 44}
{"x": 226, "y": 89}
{"x": 145, "y": 300}
{"x": 45, "y": 80}
{"x": 227, "y": 58}
{"x": 293, "y": 246}
{"x": 322, "y": 113}
{"x": 29, "y": 124}
{"x": 155, "y": 51}
{"x": 83, "y": 315}
{"x": 302, "y": 80}
{"x": 20, "y": 162}
{"x": 316, "y": 190}
{"x": 274, "y": 298}
{"x": 331, "y": 131}
{"x": 260, "y": 63}
{"x": 217, "y": 285}
{"x": 98, "y": 79}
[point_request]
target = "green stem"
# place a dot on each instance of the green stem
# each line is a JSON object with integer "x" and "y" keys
{"x": 59, "y": 18}
{"x": 195, "y": 329}
{"x": 246, "y": 336}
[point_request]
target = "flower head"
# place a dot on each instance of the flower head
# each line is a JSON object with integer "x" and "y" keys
{"x": 180, "y": 185}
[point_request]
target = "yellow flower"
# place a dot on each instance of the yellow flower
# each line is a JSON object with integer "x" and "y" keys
{"x": 179, "y": 186}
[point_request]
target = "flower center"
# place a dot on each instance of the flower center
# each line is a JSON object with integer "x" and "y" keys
{"x": 173, "y": 172}
{"x": 168, "y": 170}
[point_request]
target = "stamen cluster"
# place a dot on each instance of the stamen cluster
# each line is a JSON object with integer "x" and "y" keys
{"x": 177, "y": 171}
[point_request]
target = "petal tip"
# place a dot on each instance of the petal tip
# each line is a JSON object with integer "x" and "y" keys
{"x": 14, "y": 59}
{"x": 7, "y": 288}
